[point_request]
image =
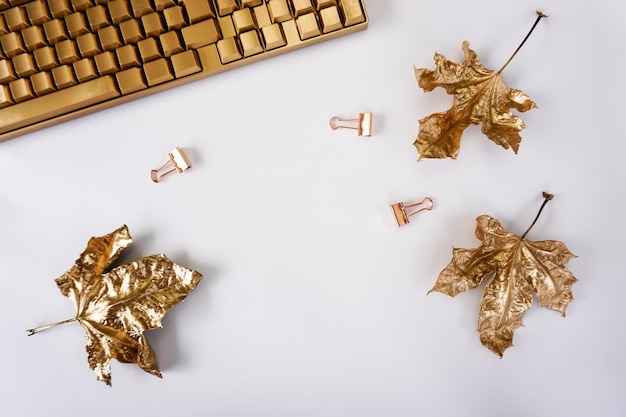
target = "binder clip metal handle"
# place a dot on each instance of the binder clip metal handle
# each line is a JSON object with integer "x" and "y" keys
{"x": 363, "y": 124}
{"x": 401, "y": 215}
{"x": 177, "y": 162}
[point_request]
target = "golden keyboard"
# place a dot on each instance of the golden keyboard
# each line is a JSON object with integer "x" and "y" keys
{"x": 60, "y": 59}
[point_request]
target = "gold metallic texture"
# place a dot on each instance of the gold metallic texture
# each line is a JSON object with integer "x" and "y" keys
{"x": 119, "y": 11}
{"x": 225, "y": 7}
{"x": 149, "y": 49}
{"x": 198, "y": 10}
{"x": 130, "y": 80}
{"x": 106, "y": 63}
{"x": 158, "y": 71}
{"x": 330, "y": 19}
{"x": 250, "y": 44}
{"x": 160, "y": 5}
{"x": 174, "y": 18}
{"x": 116, "y": 306}
{"x": 76, "y": 24}
{"x": 109, "y": 38}
{"x": 480, "y": 97}
{"x": 141, "y": 7}
{"x": 273, "y": 36}
{"x": 119, "y": 37}
{"x": 63, "y": 77}
{"x": 200, "y": 34}
{"x": 301, "y": 7}
{"x": 515, "y": 269}
{"x": 45, "y": 58}
{"x": 242, "y": 20}
{"x": 55, "y": 31}
{"x": 279, "y": 11}
{"x": 42, "y": 83}
{"x": 185, "y": 63}
{"x": 33, "y": 37}
{"x": 152, "y": 24}
{"x": 37, "y": 12}
{"x": 59, "y": 8}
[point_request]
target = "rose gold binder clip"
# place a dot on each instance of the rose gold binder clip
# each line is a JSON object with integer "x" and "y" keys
{"x": 363, "y": 124}
{"x": 402, "y": 217}
{"x": 177, "y": 162}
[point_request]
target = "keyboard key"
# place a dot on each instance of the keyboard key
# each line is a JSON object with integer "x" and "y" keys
{"x": 251, "y": 3}
{"x": 106, "y": 63}
{"x": 76, "y": 24}
{"x": 58, "y": 103}
{"x": 321, "y": 4}
{"x": 85, "y": 70}
{"x": 226, "y": 7}
{"x": 63, "y": 76}
{"x": 158, "y": 72}
{"x": 273, "y": 36}
{"x": 24, "y": 65}
{"x": 301, "y": 7}
{"x": 21, "y": 90}
{"x": 109, "y": 38}
{"x": 66, "y": 51}
{"x": 131, "y": 31}
{"x": 198, "y": 10}
{"x": 5, "y": 96}
{"x": 6, "y": 71}
{"x": 59, "y": 8}
{"x": 97, "y": 17}
{"x": 170, "y": 43}
{"x": 38, "y": 12}
{"x": 140, "y": 7}
{"x": 330, "y": 19}
{"x": 209, "y": 58}
{"x": 185, "y": 63}
{"x": 42, "y": 83}
{"x": 45, "y": 58}
{"x": 200, "y": 34}
{"x": 174, "y": 18}
{"x": 307, "y": 26}
{"x": 12, "y": 44}
{"x": 279, "y": 11}
{"x": 250, "y": 43}
{"x": 227, "y": 28}
{"x": 16, "y": 19}
{"x": 242, "y": 20}
{"x": 163, "y": 4}
{"x": 352, "y": 12}
{"x": 149, "y": 49}
{"x": 33, "y": 37}
{"x": 152, "y": 24}
{"x": 6, "y": 99}
{"x": 130, "y": 80}
{"x": 262, "y": 16}
{"x": 127, "y": 56}
{"x": 228, "y": 50}
{"x": 88, "y": 45}
{"x": 4, "y": 29}
{"x": 81, "y": 5}
{"x": 55, "y": 31}
{"x": 119, "y": 10}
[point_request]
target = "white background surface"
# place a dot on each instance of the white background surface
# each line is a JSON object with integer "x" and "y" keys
{"x": 313, "y": 302}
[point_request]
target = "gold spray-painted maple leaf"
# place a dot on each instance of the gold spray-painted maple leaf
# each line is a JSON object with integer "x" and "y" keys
{"x": 480, "y": 97}
{"x": 518, "y": 267}
{"x": 116, "y": 307}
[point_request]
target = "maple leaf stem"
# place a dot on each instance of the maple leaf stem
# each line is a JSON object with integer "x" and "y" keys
{"x": 547, "y": 197}
{"x": 540, "y": 15}
{"x": 49, "y": 326}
